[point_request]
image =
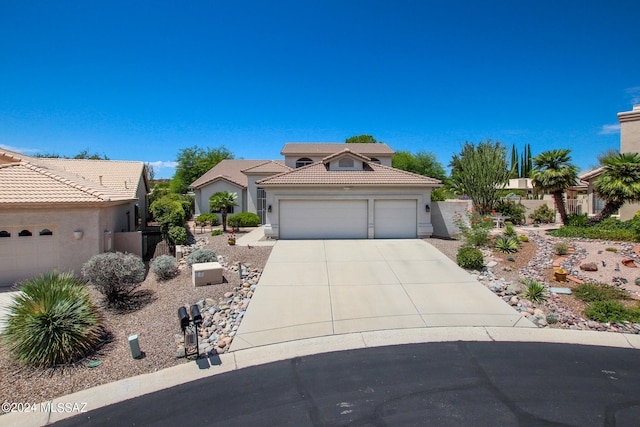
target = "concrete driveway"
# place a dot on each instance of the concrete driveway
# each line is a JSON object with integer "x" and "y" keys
{"x": 312, "y": 288}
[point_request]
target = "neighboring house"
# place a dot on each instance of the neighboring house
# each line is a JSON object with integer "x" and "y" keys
{"x": 590, "y": 203}
{"x": 58, "y": 213}
{"x": 235, "y": 176}
{"x": 326, "y": 190}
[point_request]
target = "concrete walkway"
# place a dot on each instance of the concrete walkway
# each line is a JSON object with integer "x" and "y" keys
{"x": 314, "y": 288}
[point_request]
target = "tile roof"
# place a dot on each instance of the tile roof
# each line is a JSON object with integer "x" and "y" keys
{"x": 373, "y": 174}
{"x": 230, "y": 170}
{"x": 118, "y": 175}
{"x": 346, "y": 151}
{"x": 24, "y": 183}
{"x": 268, "y": 167}
{"x": 328, "y": 148}
{"x": 33, "y": 180}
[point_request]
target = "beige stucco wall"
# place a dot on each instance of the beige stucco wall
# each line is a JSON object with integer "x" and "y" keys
{"x": 203, "y": 194}
{"x": 422, "y": 196}
{"x": 443, "y": 214}
{"x": 291, "y": 160}
{"x": 96, "y": 225}
{"x": 629, "y": 143}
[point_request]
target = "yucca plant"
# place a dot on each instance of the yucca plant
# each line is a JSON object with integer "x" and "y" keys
{"x": 509, "y": 231}
{"x": 536, "y": 291}
{"x": 52, "y": 321}
{"x": 506, "y": 245}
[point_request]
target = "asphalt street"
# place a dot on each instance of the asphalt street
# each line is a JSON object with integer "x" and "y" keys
{"x": 435, "y": 384}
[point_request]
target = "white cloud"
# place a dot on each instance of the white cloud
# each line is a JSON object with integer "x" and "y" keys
{"x": 19, "y": 149}
{"x": 610, "y": 129}
{"x": 634, "y": 92}
{"x": 163, "y": 164}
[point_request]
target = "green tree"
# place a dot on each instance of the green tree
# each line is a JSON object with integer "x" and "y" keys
{"x": 84, "y": 154}
{"x": 222, "y": 201}
{"x": 515, "y": 164}
{"x": 618, "y": 183}
{"x": 481, "y": 171}
{"x": 361, "y": 139}
{"x": 193, "y": 162}
{"x": 553, "y": 172}
{"x": 421, "y": 163}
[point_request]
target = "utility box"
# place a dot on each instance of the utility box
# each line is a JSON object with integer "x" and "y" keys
{"x": 206, "y": 273}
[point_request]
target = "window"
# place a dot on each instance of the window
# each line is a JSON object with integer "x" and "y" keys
{"x": 5, "y": 233}
{"x": 262, "y": 204}
{"x": 303, "y": 162}
{"x": 374, "y": 160}
{"x": 25, "y": 233}
{"x": 46, "y": 232}
{"x": 345, "y": 163}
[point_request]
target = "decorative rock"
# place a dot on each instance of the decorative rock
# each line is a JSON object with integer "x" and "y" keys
{"x": 492, "y": 264}
{"x": 589, "y": 266}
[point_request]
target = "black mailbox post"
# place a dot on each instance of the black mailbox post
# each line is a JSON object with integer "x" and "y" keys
{"x": 189, "y": 325}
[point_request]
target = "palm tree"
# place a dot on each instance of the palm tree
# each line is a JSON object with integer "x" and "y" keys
{"x": 618, "y": 183}
{"x": 222, "y": 201}
{"x": 554, "y": 173}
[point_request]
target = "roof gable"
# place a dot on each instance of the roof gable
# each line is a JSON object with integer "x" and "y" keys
{"x": 230, "y": 169}
{"x": 372, "y": 174}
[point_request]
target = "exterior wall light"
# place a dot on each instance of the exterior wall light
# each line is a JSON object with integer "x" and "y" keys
{"x": 427, "y": 208}
{"x": 269, "y": 208}
{"x": 78, "y": 234}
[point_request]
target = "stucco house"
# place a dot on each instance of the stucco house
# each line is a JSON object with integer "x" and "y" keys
{"x": 58, "y": 213}
{"x": 586, "y": 199}
{"x": 326, "y": 190}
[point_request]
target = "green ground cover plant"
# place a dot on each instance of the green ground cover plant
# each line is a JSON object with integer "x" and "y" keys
{"x": 52, "y": 322}
{"x": 469, "y": 257}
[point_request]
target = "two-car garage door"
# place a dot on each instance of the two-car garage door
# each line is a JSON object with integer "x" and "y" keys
{"x": 346, "y": 219}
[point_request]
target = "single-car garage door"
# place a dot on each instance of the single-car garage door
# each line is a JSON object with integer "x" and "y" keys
{"x": 26, "y": 252}
{"x": 323, "y": 219}
{"x": 395, "y": 219}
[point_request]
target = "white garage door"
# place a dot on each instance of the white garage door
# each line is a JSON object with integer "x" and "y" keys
{"x": 26, "y": 252}
{"x": 323, "y": 219}
{"x": 395, "y": 219}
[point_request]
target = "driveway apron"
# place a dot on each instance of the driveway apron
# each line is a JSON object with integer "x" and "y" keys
{"x": 312, "y": 288}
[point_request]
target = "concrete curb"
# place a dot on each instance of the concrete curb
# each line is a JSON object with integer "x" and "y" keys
{"x": 128, "y": 388}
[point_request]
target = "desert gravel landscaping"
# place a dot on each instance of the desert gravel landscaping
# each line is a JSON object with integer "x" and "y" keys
{"x": 155, "y": 323}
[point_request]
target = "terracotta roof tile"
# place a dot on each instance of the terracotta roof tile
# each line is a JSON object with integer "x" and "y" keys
{"x": 24, "y": 183}
{"x": 373, "y": 174}
{"x": 328, "y": 148}
{"x": 268, "y": 167}
{"x": 228, "y": 169}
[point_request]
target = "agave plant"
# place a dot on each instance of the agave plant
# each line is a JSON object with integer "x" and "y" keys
{"x": 506, "y": 245}
{"x": 52, "y": 321}
{"x": 509, "y": 231}
{"x": 536, "y": 291}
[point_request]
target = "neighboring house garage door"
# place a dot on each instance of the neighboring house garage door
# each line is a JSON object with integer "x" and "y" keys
{"x": 26, "y": 252}
{"x": 323, "y": 219}
{"x": 395, "y": 219}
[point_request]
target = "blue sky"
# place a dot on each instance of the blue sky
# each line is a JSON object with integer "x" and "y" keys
{"x": 139, "y": 80}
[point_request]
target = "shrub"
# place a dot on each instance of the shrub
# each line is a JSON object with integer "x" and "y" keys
{"x": 201, "y": 255}
{"x": 115, "y": 275}
{"x": 576, "y": 220}
{"x": 543, "y": 214}
{"x": 216, "y": 232}
{"x": 167, "y": 212}
{"x": 211, "y": 218}
{"x": 475, "y": 229}
{"x": 53, "y": 321}
{"x": 535, "y": 292}
{"x": 246, "y": 219}
{"x": 612, "y": 311}
{"x": 509, "y": 230}
{"x": 590, "y": 292}
{"x": 165, "y": 267}
{"x": 506, "y": 245}
{"x": 514, "y": 211}
{"x": 523, "y": 238}
{"x": 234, "y": 222}
{"x": 178, "y": 235}
{"x": 470, "y": 258}
{"x": 561, "y": 248}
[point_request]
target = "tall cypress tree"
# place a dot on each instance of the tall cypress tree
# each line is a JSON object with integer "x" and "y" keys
{"x": 515, "y": 165}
